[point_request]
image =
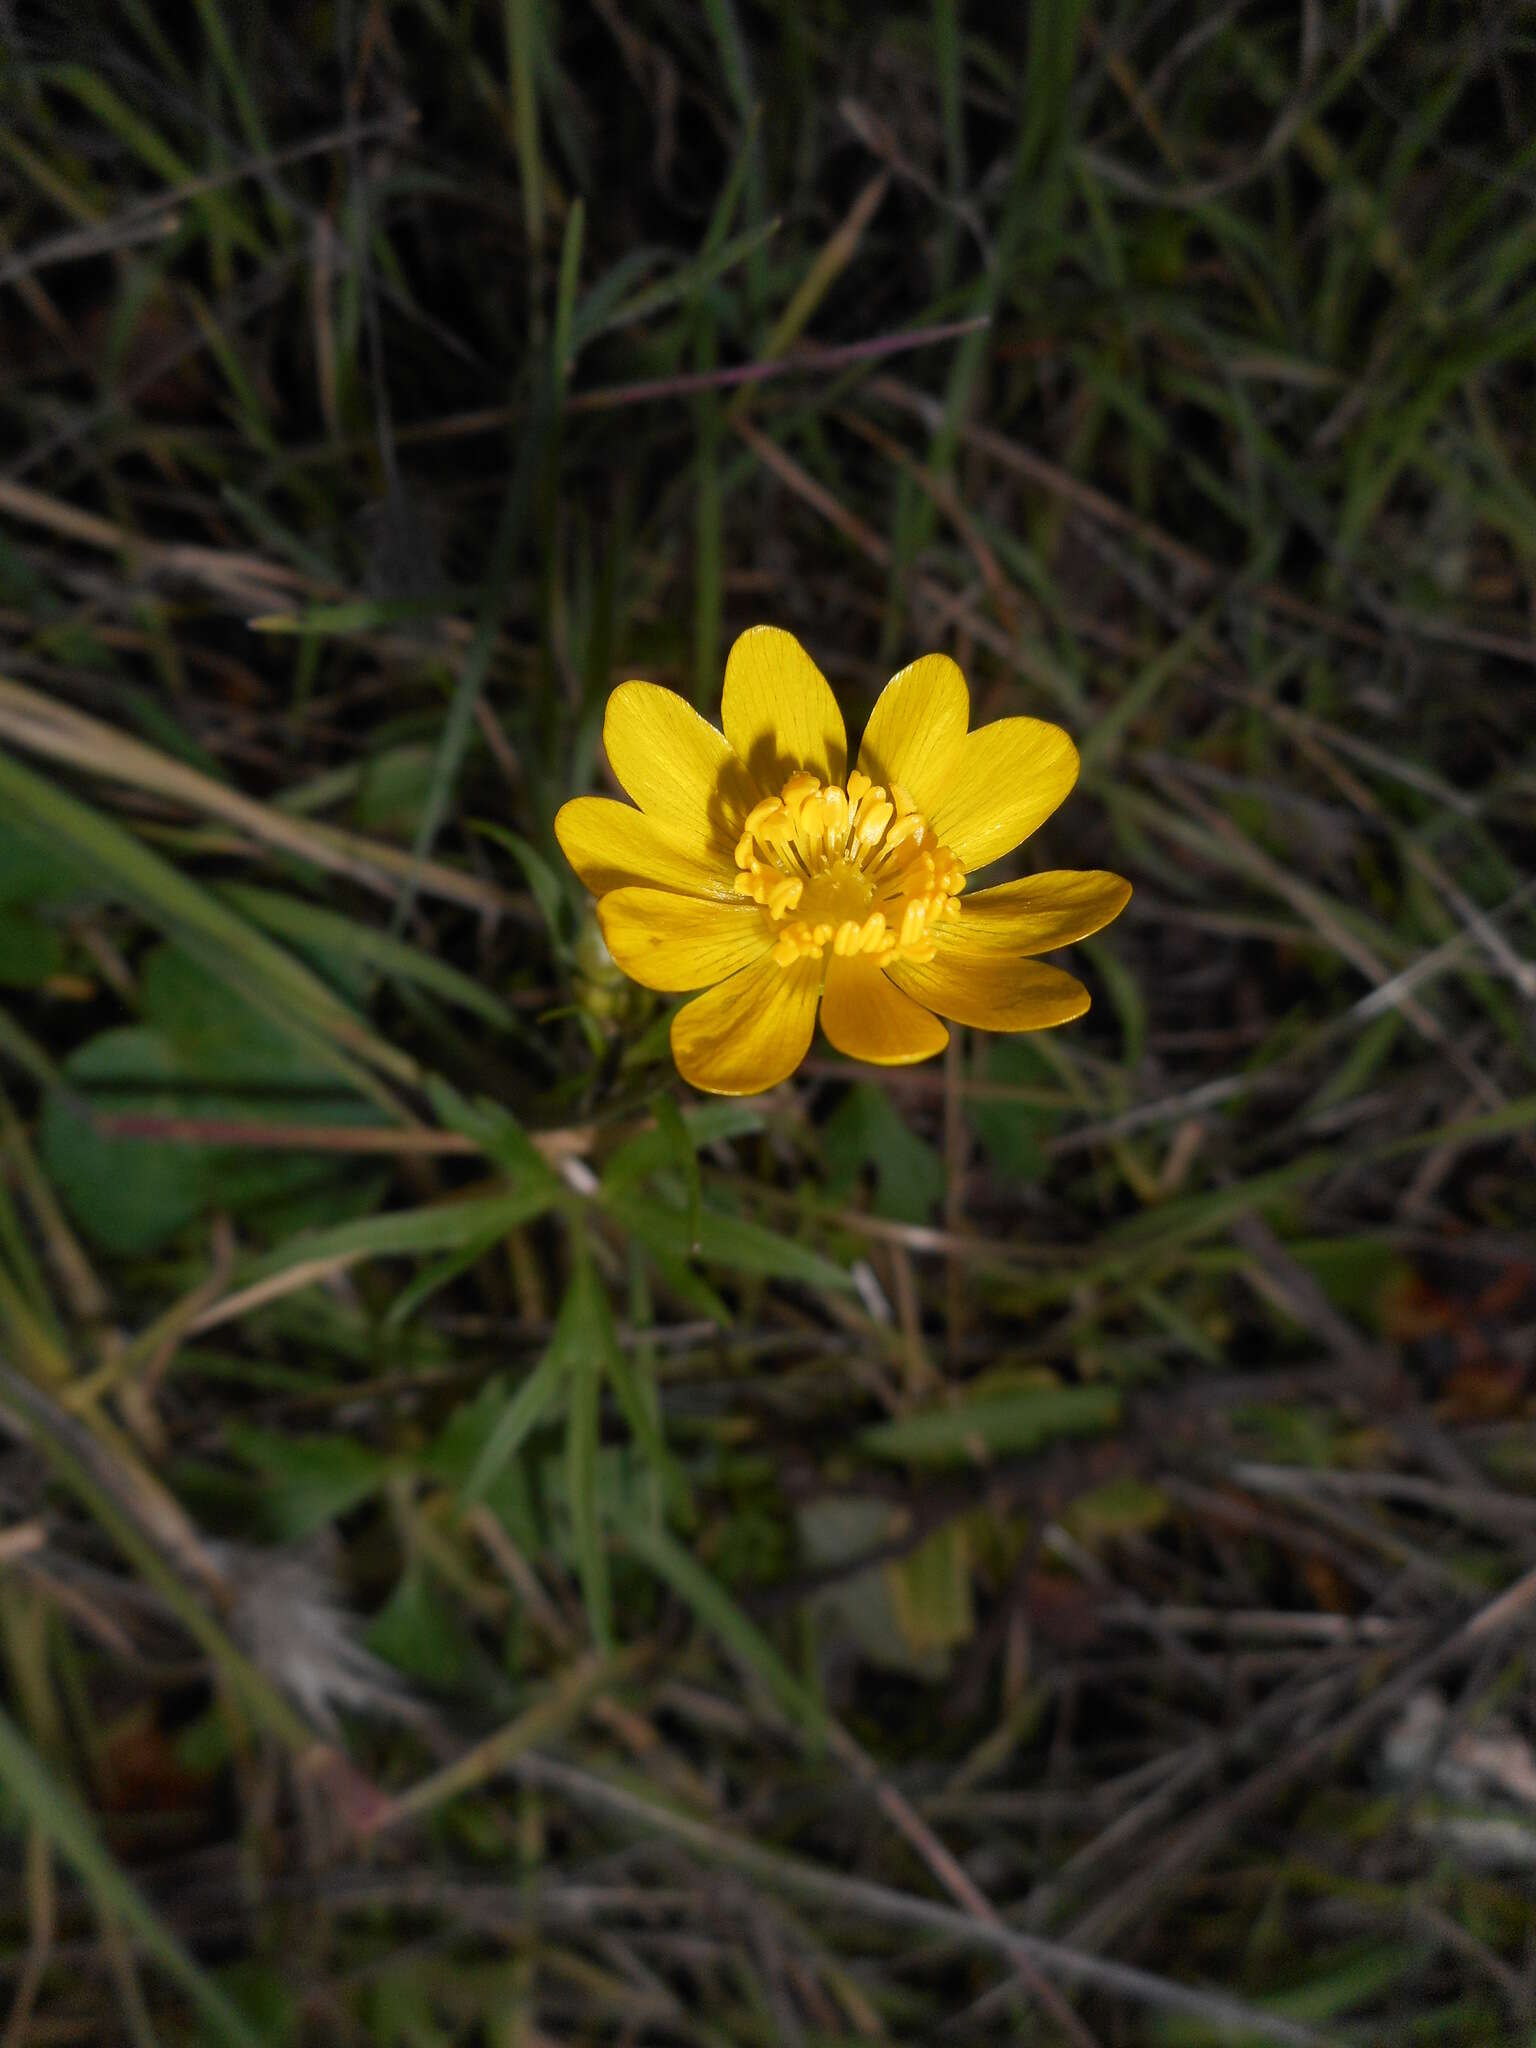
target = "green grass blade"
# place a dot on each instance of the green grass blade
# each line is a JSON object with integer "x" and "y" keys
{"x": 719, "y": 1613}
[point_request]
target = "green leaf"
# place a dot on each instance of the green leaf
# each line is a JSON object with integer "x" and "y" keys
{"x": 1126, "y": 1506}
{"x": 128, "y": 1196}
{"x": 30, "y": 950}
{"x": 392, "y": 791}
{"x": 856, "y": 1605}
{"x": 994, "y": 1425}
{"x": 1012, "y": 1131}
{"x": 591, "y": 1352}
{"x": 931, "y": 1592}
{"x": 224, "y": 945}
{"x": 133, "y": 1194}
{"x": 593, "y": 317}
{"x": 1126, "y": 996}
{"x": 517, "y": 506}
{"x": 498, "y": 1134}
{"x": 34, "y": 871}
{"x": 867, "y": 1131}
{"x": 651, "y": 1149}
{"x": 543, "y": 883}
{"x": 722, "y": 1240}
{"x": 346, "y": 948}
{"x": 719, "y": 1613}
{"x": 398, "y": 1233}
{"x": 577, "y": 1337}
{"x": 310, "y": 1479}
{"x": 416, "y": 1633}
{"x": 681, "y": 1154}
{"x": 433, "y": 1279}
{"x": 217, "y": 1035}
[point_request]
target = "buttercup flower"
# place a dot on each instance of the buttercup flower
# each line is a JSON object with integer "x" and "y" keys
{"x": 759, "y": 869}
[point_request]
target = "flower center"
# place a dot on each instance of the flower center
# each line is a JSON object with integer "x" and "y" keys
{"x": 853, "y": 867}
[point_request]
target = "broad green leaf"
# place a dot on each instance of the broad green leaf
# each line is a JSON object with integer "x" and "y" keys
{"x": 223, "y": 944}
{"x": 33, "y": 870}
{"x": 415, "y": 1631}
{"x": 131, "y": 1194}
{"x": 867, "y": 1130}
{"x": 392, "y": 790}
{"x": 1012, "y": 1130}
{"x": 218, "y": 1036}
{"x": 128, "y": 1196}
{"x": 310, "y": 1479}
{"x": 30, "y": 949}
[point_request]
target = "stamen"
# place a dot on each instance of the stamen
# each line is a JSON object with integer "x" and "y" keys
{"x": 852, "y": 866}
{"x": 834, "y": 806}
{"x": 907, "y": 826}
{"x": 874, "y": 816}
{"x": 760, "y": 813}
{"x": 796, "y": 790}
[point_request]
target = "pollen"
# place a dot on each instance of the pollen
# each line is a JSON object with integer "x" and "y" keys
{"x": 851, "y": 866}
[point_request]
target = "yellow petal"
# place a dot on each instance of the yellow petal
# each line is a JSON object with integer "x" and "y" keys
{"x": 915, "y": 731}
{"x": 679, "y": 770}
{"x": 676, "y": 942}
{"x": 1038, "y": 913}
{"x": 751, "y": 1032}
{"x": 992, "y": 991}
{"x": 1006, "y": 780}
{"x": 610, "y": 844}
{"x": 869, "y": 1019}
{"x": 779, "y": 712}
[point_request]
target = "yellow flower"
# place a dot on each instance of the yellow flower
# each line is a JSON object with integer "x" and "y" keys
{"x": 759, "y": 869}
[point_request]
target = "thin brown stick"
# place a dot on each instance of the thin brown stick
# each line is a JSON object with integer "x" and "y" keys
{"x": 391, "y": 1140}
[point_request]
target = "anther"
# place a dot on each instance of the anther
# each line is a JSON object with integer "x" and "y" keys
{"x": 760, "y": 813}
{"x": 873, "y": 820}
